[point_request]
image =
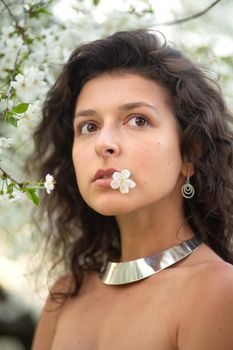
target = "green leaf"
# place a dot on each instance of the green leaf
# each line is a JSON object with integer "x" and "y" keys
{"x": 96, "y": 2}
{"x": 21, "y": 108}
{"x": 13, "y": 121}
{"x": 45, "y": 12}
{"x": 10, "y": 188}
{"x": 31, "y": 193}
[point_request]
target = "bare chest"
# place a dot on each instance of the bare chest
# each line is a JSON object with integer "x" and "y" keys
{"x": 135, "y": 317}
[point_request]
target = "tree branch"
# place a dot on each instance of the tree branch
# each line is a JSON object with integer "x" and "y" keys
{"x": 9, "y": 10}
{"x": 191, "y": 17}
{"x": 4, "y": 174}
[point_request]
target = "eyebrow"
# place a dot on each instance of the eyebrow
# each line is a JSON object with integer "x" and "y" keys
{"x": 125, "y": 107}
{"x": 132, "y": 105}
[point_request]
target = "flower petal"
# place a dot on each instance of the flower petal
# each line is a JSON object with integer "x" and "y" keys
{"x": 115, "y": 184}
{"x": 130, "y": 183}
{"x": 116, "y": 175}
{"x": 124, "y": 187}
{"x": 48, "y": 176}
{"x": 125, "y": 173}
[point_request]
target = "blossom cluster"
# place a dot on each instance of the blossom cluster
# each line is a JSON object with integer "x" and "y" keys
{"x": 13, "y": 191}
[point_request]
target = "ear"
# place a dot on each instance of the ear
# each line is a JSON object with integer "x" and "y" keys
{"x": 187, "y": 169}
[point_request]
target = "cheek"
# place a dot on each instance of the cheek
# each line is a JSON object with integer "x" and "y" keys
{"x": 149, "y": 155}
{"x": 74, "y": 158}
{"x": 78, "y": 163}
{"x": 159, "y": 161}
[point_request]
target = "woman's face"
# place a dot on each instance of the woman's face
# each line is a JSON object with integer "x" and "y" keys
{"x": 125, "y": 121}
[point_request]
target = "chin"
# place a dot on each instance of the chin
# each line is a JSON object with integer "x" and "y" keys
{"x": 110, "y": 211}
{"x": 110, "y": 208}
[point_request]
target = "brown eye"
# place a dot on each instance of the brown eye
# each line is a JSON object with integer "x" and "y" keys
{"x": 87, "y": 128}
{"x": 138, "y": 121}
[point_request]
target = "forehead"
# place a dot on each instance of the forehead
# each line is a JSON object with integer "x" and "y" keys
{"x": 124, "y": 87}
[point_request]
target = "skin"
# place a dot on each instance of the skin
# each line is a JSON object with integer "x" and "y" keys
{"x": 188, "y": 306}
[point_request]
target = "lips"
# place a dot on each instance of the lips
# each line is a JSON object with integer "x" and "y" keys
{"x": 103, "y": 174}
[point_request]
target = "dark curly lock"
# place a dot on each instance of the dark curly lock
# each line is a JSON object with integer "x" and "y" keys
{"x": 78, "y": 236}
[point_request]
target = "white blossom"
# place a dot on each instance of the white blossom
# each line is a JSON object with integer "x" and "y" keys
{"x": 12, "y": 49}
{"x": 17, "y": 195}
{"x": 121, "y": 180}
{"x": 3, "y": 105}
{"x": 49, "y": 183}
{"x": 5, "y": 142}
{"x": 28, "y": 120}
{"x": 7, "y": 31}
{"x": 38, "y": 54}
{"x": 30, "y": 85}
{"x": 44, "y": 55}
{"x": 14, "y": 43}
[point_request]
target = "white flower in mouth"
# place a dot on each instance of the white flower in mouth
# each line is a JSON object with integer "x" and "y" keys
{"x": 49, "y": 183}
{"x": 121, "y": 180}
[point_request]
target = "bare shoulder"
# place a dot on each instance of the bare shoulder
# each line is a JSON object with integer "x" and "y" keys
{"x": 208, "y": 270}
{"x": 207, "y": 310}
{"x": 50, "y": 315}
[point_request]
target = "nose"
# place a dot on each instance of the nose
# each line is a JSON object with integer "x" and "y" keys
{"x": 107, "y": 144}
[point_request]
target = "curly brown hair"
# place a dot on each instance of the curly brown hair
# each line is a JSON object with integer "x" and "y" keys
{"x": 73, "y": 234}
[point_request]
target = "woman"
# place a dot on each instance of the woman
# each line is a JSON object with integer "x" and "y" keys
{"x": 138, "y": 139}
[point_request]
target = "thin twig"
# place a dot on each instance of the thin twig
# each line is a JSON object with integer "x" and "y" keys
{"x": 5, "y": 174}
{"x": 191, "y": 17}
{"x": 9, "y": 10}
{"x": 12, "y": 76}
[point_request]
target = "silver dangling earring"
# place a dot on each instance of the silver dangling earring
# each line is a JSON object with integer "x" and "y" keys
{"x": 187, "y": 189}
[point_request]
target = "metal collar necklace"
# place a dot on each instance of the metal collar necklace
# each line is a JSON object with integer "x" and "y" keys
{"x": 131, "y": 271}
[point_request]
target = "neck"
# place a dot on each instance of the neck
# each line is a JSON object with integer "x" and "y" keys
{"x": 151, "y": 230}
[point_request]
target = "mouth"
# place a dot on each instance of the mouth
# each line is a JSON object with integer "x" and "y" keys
{"x": 104, "y": 173}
